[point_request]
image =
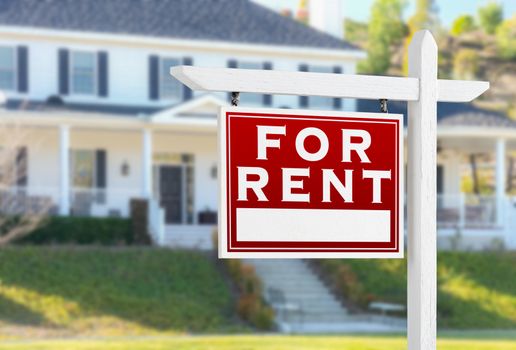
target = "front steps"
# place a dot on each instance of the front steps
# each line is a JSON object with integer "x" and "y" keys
{"x": 189, "y": 236}
{"x": 303, "y": 304}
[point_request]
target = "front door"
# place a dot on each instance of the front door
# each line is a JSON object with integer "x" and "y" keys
{"x": 171, "y": 193}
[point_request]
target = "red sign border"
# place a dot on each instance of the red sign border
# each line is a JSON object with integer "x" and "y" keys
{"x": 393, "y": 249}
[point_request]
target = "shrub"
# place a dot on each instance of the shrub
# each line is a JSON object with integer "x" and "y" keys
{"x": 251, "y": 307}
{"x": 82, "y": 230}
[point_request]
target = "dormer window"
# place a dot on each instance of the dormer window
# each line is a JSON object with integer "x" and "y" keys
{"x": 7, "y": 68}
{"x": 83, "y": 72}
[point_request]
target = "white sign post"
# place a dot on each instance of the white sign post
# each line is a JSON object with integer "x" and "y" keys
{"x": 422, "y": 90}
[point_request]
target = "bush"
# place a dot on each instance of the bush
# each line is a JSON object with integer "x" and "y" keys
{"x": 466, "y": 64}
{"x": 82, "y": 230}
{"x": 250, "y": 306}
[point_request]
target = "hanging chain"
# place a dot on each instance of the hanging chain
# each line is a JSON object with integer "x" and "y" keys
{"x": 235, "y": 98}
{"x": 383, "y": 105}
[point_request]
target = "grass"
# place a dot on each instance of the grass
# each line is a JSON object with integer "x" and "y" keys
{"x": 66, "y": 291}
{"x": 475, "y": 289}
{"x": 268, "y": 342}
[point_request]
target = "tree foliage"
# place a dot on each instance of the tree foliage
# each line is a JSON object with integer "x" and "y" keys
{"x": 490, "y": 16}
{"x": 506, "y": 38}
{"x": 385, "y": 29}
{"x": 463, "y": 24}
{"x": 466, "y": 64}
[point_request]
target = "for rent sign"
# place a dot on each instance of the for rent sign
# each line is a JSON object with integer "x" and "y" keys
{"x": 310, "y": 184}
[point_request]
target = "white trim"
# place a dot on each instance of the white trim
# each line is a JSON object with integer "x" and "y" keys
{"x": 147, "y": 41}
{"x": 166, "y": 114}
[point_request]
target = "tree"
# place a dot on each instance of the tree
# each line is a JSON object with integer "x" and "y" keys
{"x": 506, "y": 38}
{"x": 425, "y": 17}
{"x": 490, "y": 16}
{"x": 385, "y": 29}
{"x": 355, "y": 31}
{"x": 463, "y": 24}
{"x": 466, "y": 64}
{"x": 20, "y": 212}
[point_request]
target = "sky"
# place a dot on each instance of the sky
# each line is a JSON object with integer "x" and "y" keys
{"x": 448, "y": 9}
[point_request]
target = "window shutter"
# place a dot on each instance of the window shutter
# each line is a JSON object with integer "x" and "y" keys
{"x": 187, "y": 92}
{"x": 153, "y": 77}
{"x": 337, "y": 102}
{"x": 267, "y": 99}
{"x": 101, "y": 169}
{"x": 63, "y": 71}
{"x": 22, "y": 166}
{"x": 103, "y": 74}
{"x": 303, "y": 100}
{"x": 23, "y": 69}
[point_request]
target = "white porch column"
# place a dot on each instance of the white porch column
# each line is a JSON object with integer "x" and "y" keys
{"x": 500, "y": 181}
{"x": 64, "y": 170}
{"x": 147, "y": 163}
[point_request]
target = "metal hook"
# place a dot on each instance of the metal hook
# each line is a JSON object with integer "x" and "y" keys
{"x": 383, "y": 105}
{"x": 235, "y": 98}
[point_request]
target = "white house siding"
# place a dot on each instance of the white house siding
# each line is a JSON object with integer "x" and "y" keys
{"x": 129, "y": 70}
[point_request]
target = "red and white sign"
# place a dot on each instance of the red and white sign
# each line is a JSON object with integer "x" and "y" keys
{"x": 310, "y": 184}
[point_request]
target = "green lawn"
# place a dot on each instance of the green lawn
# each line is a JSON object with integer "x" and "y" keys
{"x": 269, "y": 342}
{"x": 476, "y": 289}
{"x": 67, "y": 291}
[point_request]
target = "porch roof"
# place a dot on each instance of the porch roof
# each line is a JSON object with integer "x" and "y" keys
{"x": 449, "y": 114}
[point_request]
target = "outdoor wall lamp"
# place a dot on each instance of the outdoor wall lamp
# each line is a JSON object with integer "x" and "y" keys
{"x": 124, "y": 169}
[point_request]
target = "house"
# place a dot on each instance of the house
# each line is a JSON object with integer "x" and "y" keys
{"x": 97, "y": 119}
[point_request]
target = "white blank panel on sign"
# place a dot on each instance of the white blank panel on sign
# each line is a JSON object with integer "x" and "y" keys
{"x": 322, "y": 225}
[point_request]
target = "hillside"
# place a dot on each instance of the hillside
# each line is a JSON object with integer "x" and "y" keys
{"x": 476, "y": 290}
{"x": 51, "y": 291}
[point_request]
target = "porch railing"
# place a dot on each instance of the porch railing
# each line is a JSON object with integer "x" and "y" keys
{"x": 466, "y": 211}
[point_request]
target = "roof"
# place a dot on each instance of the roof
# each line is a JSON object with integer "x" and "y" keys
{"x": 448, "y": 114}
{"x": 241, "y": 21}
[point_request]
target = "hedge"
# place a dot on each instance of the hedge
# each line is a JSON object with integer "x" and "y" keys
{"x": 82, "y": 230}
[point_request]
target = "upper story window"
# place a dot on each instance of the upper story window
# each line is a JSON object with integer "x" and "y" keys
{"x": 83, "y": 71}
{"x": 250, "y": 98}
{"x": 170, "y": 88}
{"x": 319, "y": 101}
{"x": 7, "y": 68}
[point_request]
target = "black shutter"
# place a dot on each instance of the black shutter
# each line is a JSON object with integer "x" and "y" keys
{"x": 153, "y": 77}
{"x": 231, "y": 64}
{"x": 303, "y": 100}
{"x": 22, "y": 166}
{"x": 103, "y": 74}
{"x": 337, "y": 102}
{"x": 63, "y": 71}
{"x": 101, "y": 169}
{"x": 23, "y": 69}
{"x": 187, "y": 92}
{"x": 267, "y": 99}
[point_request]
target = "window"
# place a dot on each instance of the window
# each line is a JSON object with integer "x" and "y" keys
{"x": 83, "y": 72}
{"x": 319, "y": 101}
{"x": 170, "y": 88}
{"x": 249, "y": 98}
{"x": 83, "y": 168}
{"x": 7, "y": 68}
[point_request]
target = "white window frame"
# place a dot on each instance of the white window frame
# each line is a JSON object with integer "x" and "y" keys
{"x": 161, "y": 78}
{"x": 15, "y": 68}
{"x": 72, "y": 168}
{"x": 71, "y": 73}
